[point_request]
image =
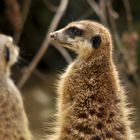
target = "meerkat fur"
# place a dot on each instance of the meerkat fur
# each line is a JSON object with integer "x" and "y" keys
{"x": 13, "y": 120}
{"x": 91, "y": 101}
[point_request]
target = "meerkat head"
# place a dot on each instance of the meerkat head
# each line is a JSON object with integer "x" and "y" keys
{"x": 8, "y": 52}
{"x": 84, "y": 37}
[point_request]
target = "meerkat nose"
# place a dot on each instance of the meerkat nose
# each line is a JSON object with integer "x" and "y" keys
{"x": 52, "y": 35}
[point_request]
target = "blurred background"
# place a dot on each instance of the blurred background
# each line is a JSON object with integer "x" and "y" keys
{"x": 30, "y": 22}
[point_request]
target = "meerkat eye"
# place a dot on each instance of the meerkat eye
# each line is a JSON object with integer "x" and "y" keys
{"x": 7, "y": 54}
{"x": 96, "y": 41}
{"x": 74, "y": 31}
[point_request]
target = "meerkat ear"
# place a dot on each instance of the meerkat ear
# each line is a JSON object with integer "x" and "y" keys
{"x": 96, "y": 41}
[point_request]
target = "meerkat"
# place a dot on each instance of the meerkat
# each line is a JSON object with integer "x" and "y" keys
{"x": 13, "y": 120}
{"x": 91, "y": 100}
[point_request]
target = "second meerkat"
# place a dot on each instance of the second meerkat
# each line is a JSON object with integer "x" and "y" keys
{"x": 91, "y": 100}
{"x": 13, "y": 119}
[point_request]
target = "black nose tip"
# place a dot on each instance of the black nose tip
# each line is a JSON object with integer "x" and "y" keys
{"x": 52, "y": 35}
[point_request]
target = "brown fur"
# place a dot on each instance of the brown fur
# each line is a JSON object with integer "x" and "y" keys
{"x": 13, "y": 120}
{"x": 91, "y": 101}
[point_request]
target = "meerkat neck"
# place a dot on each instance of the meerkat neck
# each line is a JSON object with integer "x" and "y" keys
{"x": 94, "y": 61}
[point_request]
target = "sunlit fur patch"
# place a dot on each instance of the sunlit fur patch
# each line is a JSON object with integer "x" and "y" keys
{"x": 10, "y": 38}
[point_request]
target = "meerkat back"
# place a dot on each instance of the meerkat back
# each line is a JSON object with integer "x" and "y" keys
{"x": 13, "y": 120}
{"x": 91, "y": 100}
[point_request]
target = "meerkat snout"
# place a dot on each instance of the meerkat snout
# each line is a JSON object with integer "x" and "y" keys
{"x": 52, "y": 35}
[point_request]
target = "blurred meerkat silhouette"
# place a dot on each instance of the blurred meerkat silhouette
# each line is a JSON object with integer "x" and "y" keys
{"x": 13, "y": 119}
{"x": 91, "y": 100}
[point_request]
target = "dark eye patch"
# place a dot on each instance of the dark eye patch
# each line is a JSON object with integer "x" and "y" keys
{"x": 96, "y": 41}
{"x": 74, "y": 31}
{"x": 7, "y": 54}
